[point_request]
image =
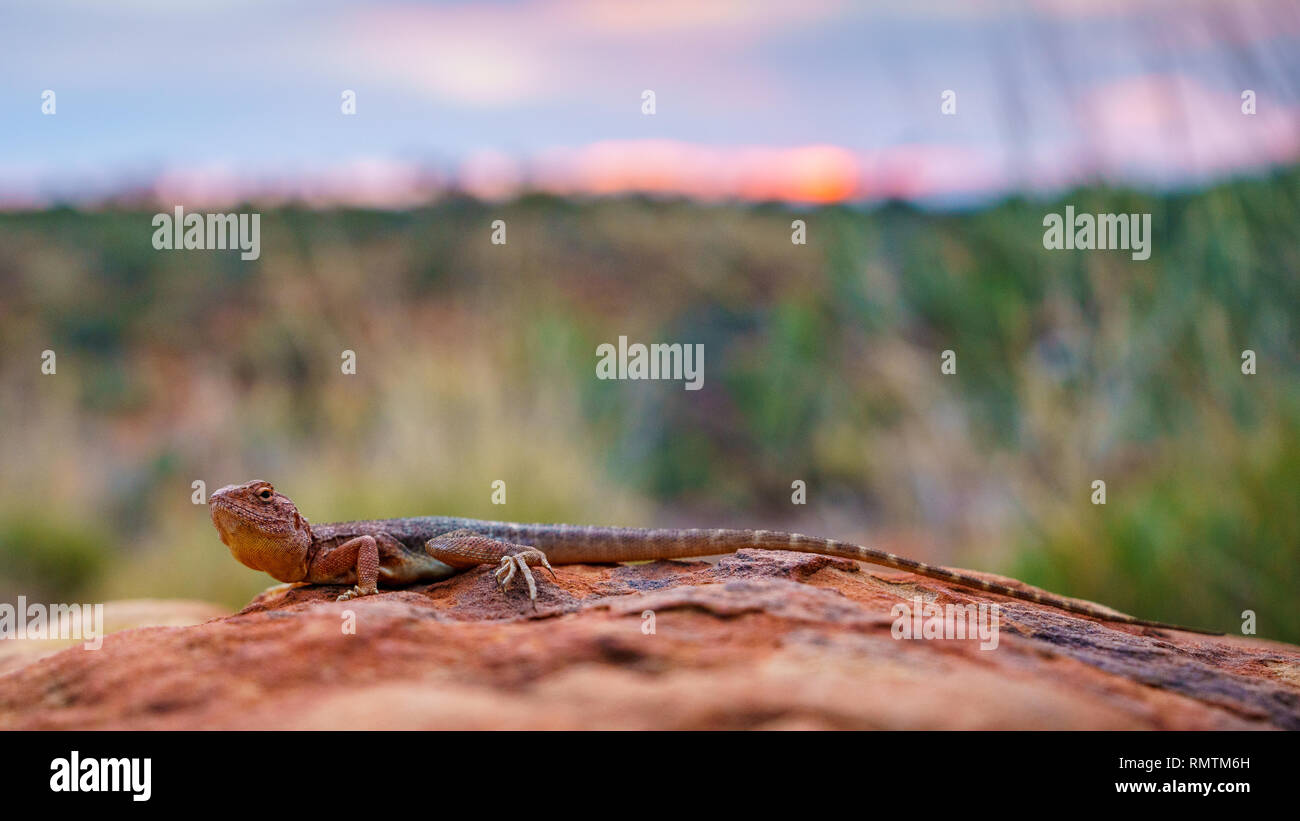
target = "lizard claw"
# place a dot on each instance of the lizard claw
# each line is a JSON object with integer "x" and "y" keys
{"x": 519, "y": 563}
{"x": 356, "y": 592}
{"x": 505, "y": 573}
{"x": 548, "y": 567}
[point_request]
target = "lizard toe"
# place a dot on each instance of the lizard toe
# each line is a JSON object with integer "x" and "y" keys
{"x": 356, "y": 593}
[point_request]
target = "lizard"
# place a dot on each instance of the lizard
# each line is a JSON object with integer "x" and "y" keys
{"x": 265, "y": 531}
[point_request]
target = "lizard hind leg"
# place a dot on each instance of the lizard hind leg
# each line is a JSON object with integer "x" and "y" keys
{"x": 465, "y": 548}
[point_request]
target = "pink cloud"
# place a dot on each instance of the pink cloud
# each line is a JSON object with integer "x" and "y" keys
{"x": 1168, "y": 124}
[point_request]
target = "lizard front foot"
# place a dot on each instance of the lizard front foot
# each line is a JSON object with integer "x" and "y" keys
{"x": 357, "y": 592}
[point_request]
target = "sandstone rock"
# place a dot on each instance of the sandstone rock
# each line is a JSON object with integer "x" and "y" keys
{"x": 758, "y": 640}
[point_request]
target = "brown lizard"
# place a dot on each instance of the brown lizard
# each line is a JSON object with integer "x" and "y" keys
{"x": 265, "y": 531}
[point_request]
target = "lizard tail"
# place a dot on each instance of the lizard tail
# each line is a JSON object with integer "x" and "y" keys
{"x": 575, "y": 544}
{"x": 880, "y": 557}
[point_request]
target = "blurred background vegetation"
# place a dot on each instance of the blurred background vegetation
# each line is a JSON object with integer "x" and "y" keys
{"x": 476, "y": 362}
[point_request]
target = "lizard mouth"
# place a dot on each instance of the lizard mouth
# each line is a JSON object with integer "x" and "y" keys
{"x": 236, "y": 521}
{"x": 229, "y": 516}
{"x": 229, "y": 508}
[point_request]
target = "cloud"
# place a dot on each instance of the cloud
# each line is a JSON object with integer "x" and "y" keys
{"x": 495, "y": 56}
{"x": 1169, "y": 125}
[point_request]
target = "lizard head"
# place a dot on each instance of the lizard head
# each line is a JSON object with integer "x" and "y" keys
{"x": 262, "y": 528}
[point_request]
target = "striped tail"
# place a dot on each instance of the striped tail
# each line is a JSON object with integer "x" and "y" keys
{"x": 865, "y": 554}
{"x": 575, "y": 544}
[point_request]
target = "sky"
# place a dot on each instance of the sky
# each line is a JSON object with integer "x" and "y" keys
{"x": 207, "y": 102}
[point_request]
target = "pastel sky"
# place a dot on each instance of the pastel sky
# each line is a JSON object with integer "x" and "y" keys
{"x": 803, "y": 100}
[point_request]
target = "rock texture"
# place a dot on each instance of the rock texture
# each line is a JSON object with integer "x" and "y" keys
{"x": 757, "y": 640}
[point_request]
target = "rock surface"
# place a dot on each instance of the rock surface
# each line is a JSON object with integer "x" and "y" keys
{"x": 757, "y": 640}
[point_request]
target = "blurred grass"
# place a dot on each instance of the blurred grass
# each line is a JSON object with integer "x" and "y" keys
{"x": 476, "y": 362}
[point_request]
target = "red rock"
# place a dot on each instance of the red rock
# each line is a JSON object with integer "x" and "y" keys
{"x": 759, "y": 640}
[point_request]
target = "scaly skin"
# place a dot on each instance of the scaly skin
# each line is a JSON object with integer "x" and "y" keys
{"x": 265, "y": 531}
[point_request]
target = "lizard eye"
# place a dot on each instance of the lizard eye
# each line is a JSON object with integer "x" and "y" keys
{"x": 265, "y": 493}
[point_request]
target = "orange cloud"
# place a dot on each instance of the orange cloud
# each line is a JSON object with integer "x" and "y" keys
{"x": 810, "y": 174}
